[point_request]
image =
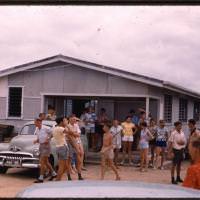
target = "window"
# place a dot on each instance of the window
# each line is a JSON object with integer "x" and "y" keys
{"x": 183, "y": 110}
{"x": 168, "y": 108}
{"x": 14, "y": 102}
{"x": 196, "y": 112}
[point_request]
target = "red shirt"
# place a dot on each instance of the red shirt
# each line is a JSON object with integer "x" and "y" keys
{"x": 192, "y": 179}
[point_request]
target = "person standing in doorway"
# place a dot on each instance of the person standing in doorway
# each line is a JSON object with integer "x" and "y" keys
{"x": 177, "y": 143}
{"x": 129, "y": 130}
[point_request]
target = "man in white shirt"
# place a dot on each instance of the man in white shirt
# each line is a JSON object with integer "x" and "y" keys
{"x": 43, "y": 138}
{"x": 177, "y": 143}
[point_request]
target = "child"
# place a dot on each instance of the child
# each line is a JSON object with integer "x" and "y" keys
{"x": 107, "y": 152}
{"x": 145, "y": 136}
{"x": 152, "y": 143}
{"x": 116, "y": 131}
{"x": 129, "y": 130}
{"x": 161, "y": 142}
{"x": 177, "y": 143}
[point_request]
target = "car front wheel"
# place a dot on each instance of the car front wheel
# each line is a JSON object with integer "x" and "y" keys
{"x": 3, "y": 170}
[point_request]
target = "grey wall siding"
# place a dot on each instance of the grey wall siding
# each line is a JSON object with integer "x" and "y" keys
{"x": 3, "y": 102}
{"x": 53, "y": 80}
{"x": 31, "y": 108}
{"x": 74, "y": 79}
{"x": 16, "y": 79}
{"x": 33, "y": 83}
{"x": 79, "y": 80}
{"x": 117, "y": 85}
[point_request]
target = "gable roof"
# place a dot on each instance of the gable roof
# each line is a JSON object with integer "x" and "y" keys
{"x": 110, "y": 70}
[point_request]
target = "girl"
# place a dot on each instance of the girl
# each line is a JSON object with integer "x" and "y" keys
{"x": 145, "y": 136}
{"x": 152, "y": 143}
{"x": 129, "y": 130}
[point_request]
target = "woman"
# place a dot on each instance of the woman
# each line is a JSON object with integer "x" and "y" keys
{"x": 129, "y": 130}
{"x": 192, "y": 179}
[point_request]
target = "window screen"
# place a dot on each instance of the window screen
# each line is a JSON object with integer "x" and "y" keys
{"x": 168, "y": 108}
{"x": 183, "y": 110}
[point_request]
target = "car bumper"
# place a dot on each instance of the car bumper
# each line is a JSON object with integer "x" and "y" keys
{"x": 18, "y": 160}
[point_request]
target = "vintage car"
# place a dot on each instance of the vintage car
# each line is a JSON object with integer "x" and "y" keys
{"x": 22, "y": 153}
{"x": 107, "y": 189}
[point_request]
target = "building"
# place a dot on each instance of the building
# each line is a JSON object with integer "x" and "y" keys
{"x": 70, "y": 84}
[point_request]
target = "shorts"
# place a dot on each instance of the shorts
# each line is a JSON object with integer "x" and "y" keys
{"x": 109, "y": 154}
{"x": 127, "y": 138}
{"x": 161, "y": 144}
{"x": 143, "y": 145}
{"x": 152, "y": 142}
{"x": 178, "y": 156}
{"x": 44, "y": 150}
{"x": 62, "y": 152}
{"x": 117, "y": 146}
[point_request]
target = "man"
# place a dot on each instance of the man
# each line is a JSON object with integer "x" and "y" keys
{"x": 43, "y": 138}
{"x": 177, "y": 143}
{"x": 194, "y": 132}
{"x": 135, "y": 118}
{"x": 107, "y": 153}
{"x": 89, "y": 119}
{"x": 74, "y": 132}
{"x": 161, "y": 142}
{"x": 61, "y": 148}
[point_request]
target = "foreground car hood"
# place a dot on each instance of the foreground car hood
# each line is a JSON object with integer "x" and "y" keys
{"x": 107, "y": 189}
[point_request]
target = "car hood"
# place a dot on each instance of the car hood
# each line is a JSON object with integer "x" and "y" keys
{"x": 107, "y": 189}
{"x": 23, "y": 143}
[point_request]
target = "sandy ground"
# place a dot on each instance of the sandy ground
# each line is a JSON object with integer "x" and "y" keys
{"x": 15, "y": 180}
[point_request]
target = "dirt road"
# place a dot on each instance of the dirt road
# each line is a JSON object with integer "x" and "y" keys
{"x": 15, "y": 180}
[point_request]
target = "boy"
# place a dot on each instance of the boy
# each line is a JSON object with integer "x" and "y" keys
{"x": 73, "y": 129}
{"x": 116, "y": 131}
{"x": 177, "y": 143}
{"x": 161, "y": 142}
{"x": 43, "y": 138}
{"x": 107, "y": 152}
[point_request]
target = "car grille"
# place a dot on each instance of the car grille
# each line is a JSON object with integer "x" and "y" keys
{"x": 15, "y": 156}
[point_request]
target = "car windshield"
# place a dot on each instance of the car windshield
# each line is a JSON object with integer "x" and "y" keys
{"x": 30, "y": 129}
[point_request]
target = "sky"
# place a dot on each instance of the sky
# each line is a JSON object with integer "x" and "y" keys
{"x": 158, "y": 41}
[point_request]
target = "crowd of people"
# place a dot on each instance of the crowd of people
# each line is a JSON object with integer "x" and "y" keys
{"x": 110, "y": 138}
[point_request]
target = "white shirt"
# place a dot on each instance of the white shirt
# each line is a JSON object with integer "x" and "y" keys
{"x": 176, "y": 137}
{"x": 116, "y": 132}
{"x": 43, "y": 134}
